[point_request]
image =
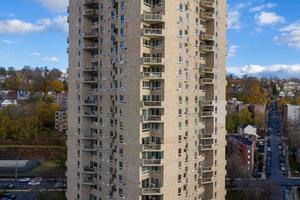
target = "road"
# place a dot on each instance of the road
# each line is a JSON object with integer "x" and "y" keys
{"x": 275, "y": 176}
{"x": 30, "y": 192}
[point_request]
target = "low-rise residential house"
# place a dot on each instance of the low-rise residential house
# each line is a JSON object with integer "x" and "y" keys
{"x": 243, "y": 149}
{"x": 8, "y": 102}
{"x": 248, "y": 131}
{"x": 23, "y": 95}
{"x": 282, "y": 94}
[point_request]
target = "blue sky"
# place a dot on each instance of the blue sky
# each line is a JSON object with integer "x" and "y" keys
{"x": 263, "y": 36}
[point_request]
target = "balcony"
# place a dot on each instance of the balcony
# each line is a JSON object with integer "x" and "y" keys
{"x": 207, "y": 3}
{"x": 89, "y": 136}
{"x": 90, "y": 1}
{"x": 207, "y": 103}
{"x": 91, "y": 12}
{"x": 89, "y": 181}
{"x": 90, "y": 46}
{"x": 207, "y": 48}
{"x": 90, "y": 80}
{"x": 153, "y": 32}
{"x": 90, "y": 102}
{"x": 151, "y": 191}
{"x": 206, "y": 180}
{"x": 89, "y": 147}
{"x": 207, "y": 70}
{"x": 207, "y": 81}
{"x": 151, "y": 147}
{"x": 152, "y": 103}
{"x": 207, "y": 169}
{"x": 90, "y": 69}
{"x": 148, "y": 17}
{"x": 206, "y": 147}
{"x": 152, "y": 60}
{"x": 90, "y": 114}
{"x": 89, "y": 170}
{"x": 207, "y": 37}
{"x": 152, "y": 162}
{"x": 207, "y": 137}
{"x": 207, "y": 15}
{"x": 207, "y": 114}
{"x": 152, "y": 75}
{"x": 152, "y": 118}
{"x": 91, "y": 34}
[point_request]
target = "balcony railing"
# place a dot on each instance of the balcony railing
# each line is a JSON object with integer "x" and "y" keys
{"x": 91, "y": 34}
{"x": 89, "y": 181}
{"x": 152, "y": 146}
{"x": 207, "y": 113}
{"x": 153, "y": 60}
{"x": 207, "y": 48}
{"x": 90, "y": 79}
{"x": 153, "y": 31}
{"x": 207, "y": 81}
{"x": 88, "y": 147}
{"x": 207, "y": 70}
{"x": 150, "y": 191}
{"x": 207, "y": 3}
{"x": 89, "y": 170}
{"x": 91, "y": 46}
{"x": 91, "y": 12}
{"x": 206, "y": 180}
{"x": 152, "y": 118}
{"x": 153, "y": 161}
{"x": 153, "y": 17}
{"x": 154, "y": 75}
{"x": 90, "y": 114}
{"x": 207, "y": 103}
{"x": 90, "y": 102}
{"x": 208, "y": 37}
{"x": 207, "y": 15}
{"x": 152, "y": 103}
{"x": 91, "y": 1}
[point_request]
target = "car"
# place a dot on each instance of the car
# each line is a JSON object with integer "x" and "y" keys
{"x": 9, "y": 195}
{"x": 58, "y": 185}
{"x": 34, "y": 183}
{"x": 24, "y": 180}
{"x": 282, "y": 168}
{"x": 7, "y": 186}
{"x": 269, "y": 149}
{"x": 280, "y": 147}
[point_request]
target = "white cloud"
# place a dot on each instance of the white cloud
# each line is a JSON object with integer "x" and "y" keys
{"x": 262, "y": 7}
{"x": 7, "y": 42}
{"x": 51, "y": 59}
{"x": 17, "y": 26}
{"x": 268, "y": 18}
{"x": 279, "y": 70}
{"x": 55, "y": 5}
{"x": 35, "y": 54}
{"x": 234, "y": 20}
{"x": 232, "y": 51}
{"x": 290, "y": 35}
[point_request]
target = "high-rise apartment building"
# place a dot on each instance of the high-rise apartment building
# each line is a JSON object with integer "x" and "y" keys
{"x": 146, "y": 105}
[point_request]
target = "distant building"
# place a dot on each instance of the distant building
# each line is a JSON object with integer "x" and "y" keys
{"x": 23, "y": 95}
{"x": 8, "y": 94}
{"x": 8, "y": 102}
{"x": 248, "y": 131}
{"x": 243, "y": 149}
{"x": 291, "y": 114}
{"x": 282, "y": 94}
{"x": 61, "y": 120}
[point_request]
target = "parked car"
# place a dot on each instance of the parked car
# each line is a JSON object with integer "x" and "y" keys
{"x": 7, "y": 186}
{"x": 34, "y": 183}
{"x": 9, "y": 195}
{"x": 24, "y": 180}
{"x": 280, "y": 147}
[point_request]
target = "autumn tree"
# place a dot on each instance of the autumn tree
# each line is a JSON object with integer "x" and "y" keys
{"x": 56, "y": 86}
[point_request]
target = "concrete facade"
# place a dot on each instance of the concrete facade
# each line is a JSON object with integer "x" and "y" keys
{"x": 146, "y": 100}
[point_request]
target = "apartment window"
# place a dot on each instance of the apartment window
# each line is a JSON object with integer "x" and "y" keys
{"x": 180, "y": 33}
{"x": 122, "y": 5}
{"x": 122, "y": 18}
{"x": 180, "y": 7}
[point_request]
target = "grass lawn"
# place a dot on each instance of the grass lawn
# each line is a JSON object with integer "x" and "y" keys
{"x": 294, "y": 166}
{"x": 51, "y": 196}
